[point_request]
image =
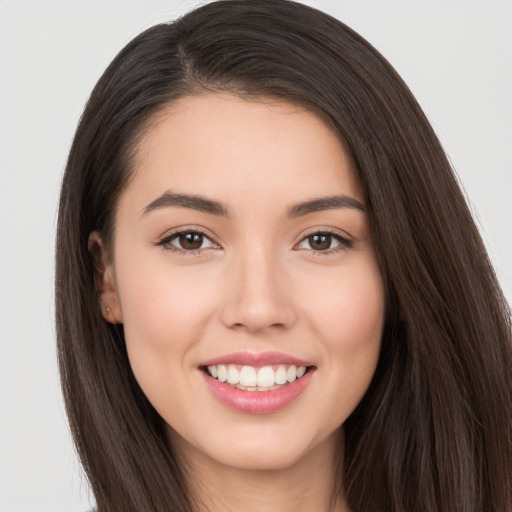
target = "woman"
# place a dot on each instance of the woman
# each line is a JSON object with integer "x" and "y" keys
{"x": 270, "y": 292}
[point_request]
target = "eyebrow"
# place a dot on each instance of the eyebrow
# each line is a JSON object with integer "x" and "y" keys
{"x": 324, "y": 203}
{"x": 171, "y": 199}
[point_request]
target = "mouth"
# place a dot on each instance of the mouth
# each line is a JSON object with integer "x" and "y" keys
{"x": 256, "y": 378}
{"x": 257, "y": 383}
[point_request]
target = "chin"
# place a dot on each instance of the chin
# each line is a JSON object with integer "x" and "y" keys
{"x": 265, "y": 450}
{"x": 262, "y": 459}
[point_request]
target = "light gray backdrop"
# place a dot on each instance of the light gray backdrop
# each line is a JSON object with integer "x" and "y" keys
{"x": 456, "y": 55}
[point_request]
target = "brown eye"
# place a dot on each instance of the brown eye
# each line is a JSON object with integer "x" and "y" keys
{"x": 325, "y": 242}
{"x": 190, "y": 241}
{"x": 320, "y": 241}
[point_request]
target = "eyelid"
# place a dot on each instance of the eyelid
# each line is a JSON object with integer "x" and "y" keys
{"x": 346, "y": 240}
{"x": 165, "y": 240}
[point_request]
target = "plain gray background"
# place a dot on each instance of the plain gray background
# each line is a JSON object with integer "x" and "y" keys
{"x": 456, "y": 56}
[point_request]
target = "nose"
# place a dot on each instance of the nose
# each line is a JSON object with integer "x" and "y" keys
{"x": 258, "y": 294}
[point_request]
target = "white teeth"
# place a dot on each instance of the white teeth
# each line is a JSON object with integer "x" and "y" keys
{"x": 266, "y": 377}
{"x": 233, "y": 375}
{"x": 280, "y": 376}
{"x": 222, "y": 373}
{"x": 249, "y": 378}
{"x": 291, "y": 374}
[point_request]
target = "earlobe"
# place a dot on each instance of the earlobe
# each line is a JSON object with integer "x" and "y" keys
{"x": 109, "y": 316}
{"x": 104, "y": 279}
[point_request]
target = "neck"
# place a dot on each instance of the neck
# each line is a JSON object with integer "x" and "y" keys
{"x": 309, "y": 484}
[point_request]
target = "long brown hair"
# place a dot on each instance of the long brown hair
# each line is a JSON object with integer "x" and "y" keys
{"x": 433, "y": 432}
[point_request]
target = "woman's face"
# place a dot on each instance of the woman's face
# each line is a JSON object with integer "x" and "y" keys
{"x": 243, "y": 252}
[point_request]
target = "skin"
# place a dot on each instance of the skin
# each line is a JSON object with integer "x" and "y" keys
{"x": 258, "y": 285}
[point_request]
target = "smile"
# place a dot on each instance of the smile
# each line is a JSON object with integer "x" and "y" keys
{"x": 250, "y": 378}
{"x": 279, "y": 378}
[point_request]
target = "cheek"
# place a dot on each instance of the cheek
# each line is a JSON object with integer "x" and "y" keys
{"x": 348, "y": 306}
{"x": 160, "y": 297}
{"x": 348, "y": 318}
{"x": 164, "y": 312}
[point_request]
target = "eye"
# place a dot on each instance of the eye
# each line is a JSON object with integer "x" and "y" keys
{"x": 324, "y": 241}
{"x": 190, "y": 241}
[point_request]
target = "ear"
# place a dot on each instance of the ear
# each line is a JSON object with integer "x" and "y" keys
{"x": 104, "y": 279}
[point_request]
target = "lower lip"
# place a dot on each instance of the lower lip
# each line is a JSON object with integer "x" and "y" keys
{"x": 257, "y": 402}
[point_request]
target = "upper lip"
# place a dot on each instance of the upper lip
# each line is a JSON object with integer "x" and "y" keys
{"x": 256, "y": 359}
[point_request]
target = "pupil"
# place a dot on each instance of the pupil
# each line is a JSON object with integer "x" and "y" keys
{"x": 320, "y": 241}
{"x": 191, "y": 240}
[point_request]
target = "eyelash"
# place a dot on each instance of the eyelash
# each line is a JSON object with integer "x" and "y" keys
{"x": 166, "y": 242}
{"x": 344, "y": 242}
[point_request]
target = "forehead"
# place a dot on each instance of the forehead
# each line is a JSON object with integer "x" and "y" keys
{"x": 238, "y": 149}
